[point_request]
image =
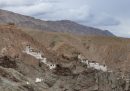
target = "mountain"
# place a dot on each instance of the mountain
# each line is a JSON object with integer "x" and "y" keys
{"x": 51, "y": 61}
{"x": 46, "y": 60}
{"x": 28, "y": 64}
{"x": 55, "y": 26}
{"x": 105, "y": 50}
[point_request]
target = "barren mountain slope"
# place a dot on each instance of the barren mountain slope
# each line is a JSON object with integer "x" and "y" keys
{"x": 13, "y": 42}
{"x": 59, "y": 26}
{"x": 112, "y": 51}
{"x": 33, "y": 60}
{"x": 24, "y": 68}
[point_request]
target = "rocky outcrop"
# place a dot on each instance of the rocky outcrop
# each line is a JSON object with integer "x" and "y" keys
{"x": 59, "y": 79}
{"x": 7, "y": 62}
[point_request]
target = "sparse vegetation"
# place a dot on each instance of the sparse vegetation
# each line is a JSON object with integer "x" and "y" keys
{"x": 11, "y": 23}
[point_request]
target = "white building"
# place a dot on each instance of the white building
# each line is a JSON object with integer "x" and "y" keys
{"x": 92, "y": 64}
{"x": 38, "y": 80}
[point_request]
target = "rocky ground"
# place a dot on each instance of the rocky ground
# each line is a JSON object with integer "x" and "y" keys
{"x": 18, "y": 76}
{"x": 43, "y": 69}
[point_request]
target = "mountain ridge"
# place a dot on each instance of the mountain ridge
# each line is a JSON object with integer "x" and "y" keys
{"x": 55, "y": 26}
{"x": 56, "y": 61}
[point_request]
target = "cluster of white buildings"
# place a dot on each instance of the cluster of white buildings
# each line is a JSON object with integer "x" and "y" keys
{"x": 92, "y": 64}
{"x": 38, "y": 55}
{"x": 37, "y": 80}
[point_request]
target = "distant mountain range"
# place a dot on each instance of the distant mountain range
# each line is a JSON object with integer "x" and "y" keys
{"x": 55, "y": 26}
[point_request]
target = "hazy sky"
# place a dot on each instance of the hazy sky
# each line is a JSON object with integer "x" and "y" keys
{"x": 113, "y": 15}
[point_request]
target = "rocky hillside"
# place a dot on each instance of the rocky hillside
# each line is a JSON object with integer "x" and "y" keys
{"x": 53, "y": 61}
{"x": 18, "y": 76}
{"x": 112, "y": 51}
{"x": 59, "y": 26}
{"x": 13, "y": 42}
{"x": 26, "y": 65}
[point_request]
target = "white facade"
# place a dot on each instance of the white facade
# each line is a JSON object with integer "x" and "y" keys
{"x": 27, "y": 83}
{"x": 4, "y": 50}
{"x": 44, "y": 60}
{"x": 79, "y": 56}
{"x": 85, "y": 61}
{"x": 52, "y": 66}
{"x": 29, "y": 51}
{"x": 93, "y": 64}
{"x": 38, "y": 80}
{"x": 38, "y": 56}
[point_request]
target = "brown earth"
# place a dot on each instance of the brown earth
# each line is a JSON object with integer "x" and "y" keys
{"x": 112, "y": 51}
{"x": 18, "y": 68}
{"x": 15, "y": 41}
